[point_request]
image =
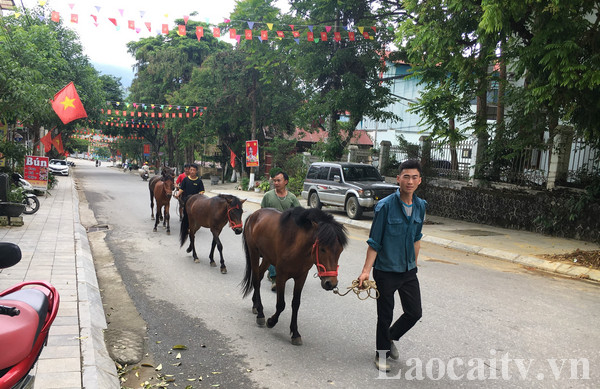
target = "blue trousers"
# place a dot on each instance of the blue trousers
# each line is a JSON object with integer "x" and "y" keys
{"x": 272, "y": 272}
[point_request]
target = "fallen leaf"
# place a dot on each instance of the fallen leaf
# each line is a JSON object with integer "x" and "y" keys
{"x": 178, "y": 356}
{"x": 159, "y": 367}
{"x": 147, "y": 365}
{"x": 176, "y": 364}
{"x": 217, "y": 372}
{"x": 179, "y": 347}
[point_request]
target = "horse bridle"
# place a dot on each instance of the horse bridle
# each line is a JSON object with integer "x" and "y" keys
{"x": 321, "y": 269}
{"x": 231, "y": 222}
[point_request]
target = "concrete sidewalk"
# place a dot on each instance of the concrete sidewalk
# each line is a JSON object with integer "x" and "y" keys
{"x": 56, "y": 249}
{"x": 511, "y": 245}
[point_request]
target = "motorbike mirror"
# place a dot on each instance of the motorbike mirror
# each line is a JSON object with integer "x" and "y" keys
{"x": 10, "y": 254}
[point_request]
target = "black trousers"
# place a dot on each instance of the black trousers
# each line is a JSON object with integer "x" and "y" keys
{"x": 407, "y": 285}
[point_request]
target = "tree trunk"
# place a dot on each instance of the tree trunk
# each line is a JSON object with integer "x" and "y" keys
{"x": 453, "y": 153}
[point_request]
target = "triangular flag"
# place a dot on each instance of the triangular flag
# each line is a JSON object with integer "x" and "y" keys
{"x": 374, "y": 28}
{"x": 361, "y": 29}
{"x": 71, "y": 5}
{"x": 113, "y": 20}
{"x": 270, "y": 25}
{"x": 46, "y": 140}
{"x": 186, "y": 18}
{"x": 98, "y": 8}
{"x": 42, "y": 3}
{"x": 310, "y": 28}
{"x": 142, "y": 13}
{"x": 291, "y": 26}
{"x": 148, "y": 26}
{"x": 67, "y": 104}
{"x": 121, "y": 11}
{"x": 327, "y": 28}
{"x": 250, "y": 25}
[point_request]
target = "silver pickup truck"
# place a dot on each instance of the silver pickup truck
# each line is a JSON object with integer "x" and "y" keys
{"x": 355, "y": 186}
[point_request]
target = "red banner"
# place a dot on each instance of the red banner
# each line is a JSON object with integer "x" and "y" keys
{"x": 251, "y": 153}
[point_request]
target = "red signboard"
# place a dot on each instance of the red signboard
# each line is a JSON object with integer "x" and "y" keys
{"x": 36, "y": 171}
{"x": 251, "y": 153}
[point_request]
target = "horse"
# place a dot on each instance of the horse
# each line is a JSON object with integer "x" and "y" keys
{"x": 166, "y": 172}
{"x": 163, "y": 190}
{"x": 293, "y": 241}
{"x": 212, "y": 213}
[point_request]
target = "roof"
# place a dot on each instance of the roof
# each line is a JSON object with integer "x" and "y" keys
{"x": 359, "y": 138}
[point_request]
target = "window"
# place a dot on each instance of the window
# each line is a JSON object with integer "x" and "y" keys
{"x": 335, "y": 171}
{"x": 323, "y": 173}
{"x": 312, "y": 172}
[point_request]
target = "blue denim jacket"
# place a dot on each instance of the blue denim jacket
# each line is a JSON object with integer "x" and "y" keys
{"x": 393, "y": 234}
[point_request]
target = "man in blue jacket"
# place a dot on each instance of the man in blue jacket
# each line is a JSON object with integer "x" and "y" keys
{"x": 393, "y": 248}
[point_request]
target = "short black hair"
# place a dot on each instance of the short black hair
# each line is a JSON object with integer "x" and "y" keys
{"x": 410, "y": 164}
{"x": 285, "y": 175}
{"x": 186, "y": 165}
{"x": 194, "y": 166}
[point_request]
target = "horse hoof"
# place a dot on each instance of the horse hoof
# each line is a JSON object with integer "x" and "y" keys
{"x": 254, "y": 311}
{"x": 213, "y": 264}
{"x": 260, "y": 321}
{"x": 154, "y": 230}
{"x": 223, "y": 270}
{"x": 188, "y": 250}
{"x": 168, "y": 232}
{"x": 152, "y": 217}
{"x": 196, "y": 260}
{"x": 297, "y": 341}
{"x": 271, "y": 323}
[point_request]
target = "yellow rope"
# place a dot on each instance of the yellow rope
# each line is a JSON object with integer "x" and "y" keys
{"x": 368, "y": 287}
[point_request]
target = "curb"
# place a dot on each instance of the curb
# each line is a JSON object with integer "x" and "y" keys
{"x": 562, "y": 268}
{"x": 98, "y": 369}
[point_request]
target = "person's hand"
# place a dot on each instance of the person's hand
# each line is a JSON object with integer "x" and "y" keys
{"x": 362, "y": 277}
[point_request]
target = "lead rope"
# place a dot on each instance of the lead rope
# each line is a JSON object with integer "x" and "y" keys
{"x": 368, "y": 287}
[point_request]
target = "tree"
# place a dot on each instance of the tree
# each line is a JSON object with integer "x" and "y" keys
{"x": 341, "y": 77}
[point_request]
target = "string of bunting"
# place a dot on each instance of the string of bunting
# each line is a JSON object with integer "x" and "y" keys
{"x": 311, "y": 32}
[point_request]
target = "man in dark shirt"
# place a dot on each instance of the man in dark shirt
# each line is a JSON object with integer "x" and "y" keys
{"x": 191, "y": 185}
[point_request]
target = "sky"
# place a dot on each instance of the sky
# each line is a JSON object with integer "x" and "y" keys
{"x": 105, "y": 44}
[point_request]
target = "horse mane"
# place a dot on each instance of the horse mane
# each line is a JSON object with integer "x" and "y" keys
{"x": 328, "y": 229}
{"x": 233, "y": 200}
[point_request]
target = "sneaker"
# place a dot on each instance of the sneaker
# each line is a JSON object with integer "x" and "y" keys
{"x": 394, "y": 354}
{"x": 273, "y": 285}
{"x": 382, "y": 364}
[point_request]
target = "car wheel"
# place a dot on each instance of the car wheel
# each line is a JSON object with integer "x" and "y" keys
{"x": 313, "y": 201}
{"x": 353, "y": 208}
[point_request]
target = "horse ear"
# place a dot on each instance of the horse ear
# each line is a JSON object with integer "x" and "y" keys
{"x": 243, "y": 201}
{"x": 315, "y": 224}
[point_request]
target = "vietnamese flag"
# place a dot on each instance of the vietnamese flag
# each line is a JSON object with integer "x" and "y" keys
{"x": 67, "y": 104}
{"x": 57, "y": 142}
{"x": 232, "y": 158}
{"x": 46, "y": 140}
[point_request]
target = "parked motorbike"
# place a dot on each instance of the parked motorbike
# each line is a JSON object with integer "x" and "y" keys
{"x": 27, "y": 310}
{"x": 32, "y": 203}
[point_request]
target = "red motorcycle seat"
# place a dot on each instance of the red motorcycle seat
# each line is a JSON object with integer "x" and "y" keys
{"x": 17, "y": 333}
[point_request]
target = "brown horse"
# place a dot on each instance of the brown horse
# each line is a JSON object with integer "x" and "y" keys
{"x": 292, "y": 241}
{"x": 166, "y": 172}
{"x": 163, "y": 190}
{"x": 212, "y": 213}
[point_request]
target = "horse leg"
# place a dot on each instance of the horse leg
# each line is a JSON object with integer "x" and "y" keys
{"x": 157, "y": 218}
{"x": 152, "y": 204}
{"x": 257, "y": 276}
{"x": 212, "y": 251}
{"x": 168, "y": 218}
{"x": 220, "y": 247}
{"x": 193, "y": 247}
{"x": 280, "y": 306}
{"x": 298, "y": 285}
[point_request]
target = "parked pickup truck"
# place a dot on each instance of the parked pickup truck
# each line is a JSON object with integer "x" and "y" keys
{"x": 355, "y": 186}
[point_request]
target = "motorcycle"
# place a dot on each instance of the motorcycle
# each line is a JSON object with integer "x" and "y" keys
{"x": 27, "y": 310}
{"x": 32, "y": 204}
{"x": 144, "y": 174}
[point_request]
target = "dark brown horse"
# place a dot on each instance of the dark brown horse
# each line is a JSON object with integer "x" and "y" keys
{"x": 166, "y": 172}
{"x": 213, "y": 213}
{"x": 292, "y": 241}
{"x": 163, "y": 190}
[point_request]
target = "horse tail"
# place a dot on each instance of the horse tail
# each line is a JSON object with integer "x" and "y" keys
{"x": 184, "y": 228}
{"x": 247, "y": 281}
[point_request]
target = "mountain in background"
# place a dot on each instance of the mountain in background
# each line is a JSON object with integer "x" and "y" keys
{"x": 125, "y": 73}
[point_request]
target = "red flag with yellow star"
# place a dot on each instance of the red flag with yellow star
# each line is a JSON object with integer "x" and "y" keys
{"x": 67, "y": 104}
{"x": 57, "y": 142}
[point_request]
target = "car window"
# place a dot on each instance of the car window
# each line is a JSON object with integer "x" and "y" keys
{"x": 312, "y": 172}
{"x": 335, "y": 171}
{"x": 323, "y": 173}
{"x": 361, "y": 173}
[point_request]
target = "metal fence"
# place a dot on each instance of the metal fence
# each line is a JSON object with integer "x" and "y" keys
{"x": 441, "y": 162}
{"x": 584, "y": 163}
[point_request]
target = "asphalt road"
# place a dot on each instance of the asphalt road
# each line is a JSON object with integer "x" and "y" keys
{"x": 485, "y": 322}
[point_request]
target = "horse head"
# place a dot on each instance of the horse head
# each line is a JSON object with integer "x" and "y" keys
{"x": 329, "y": 240}
{"x": 234, "y": 212}
{"x": 168, "y": 185}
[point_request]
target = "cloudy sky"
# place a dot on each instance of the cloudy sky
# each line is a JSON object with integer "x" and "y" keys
{"x": 105, "y": 44}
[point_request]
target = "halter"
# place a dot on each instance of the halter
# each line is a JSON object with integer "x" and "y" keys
{"x": 231, "y": 222}
{"x": 321, "y": 269}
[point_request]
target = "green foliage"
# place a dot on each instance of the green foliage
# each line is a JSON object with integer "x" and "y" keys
{"x": 16, "y": 194}
{"x": 14, "y": 154}
{"x": 244, "y": 183}
{"x": 265, "y": 185}
{"x": 52, "y": 181}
